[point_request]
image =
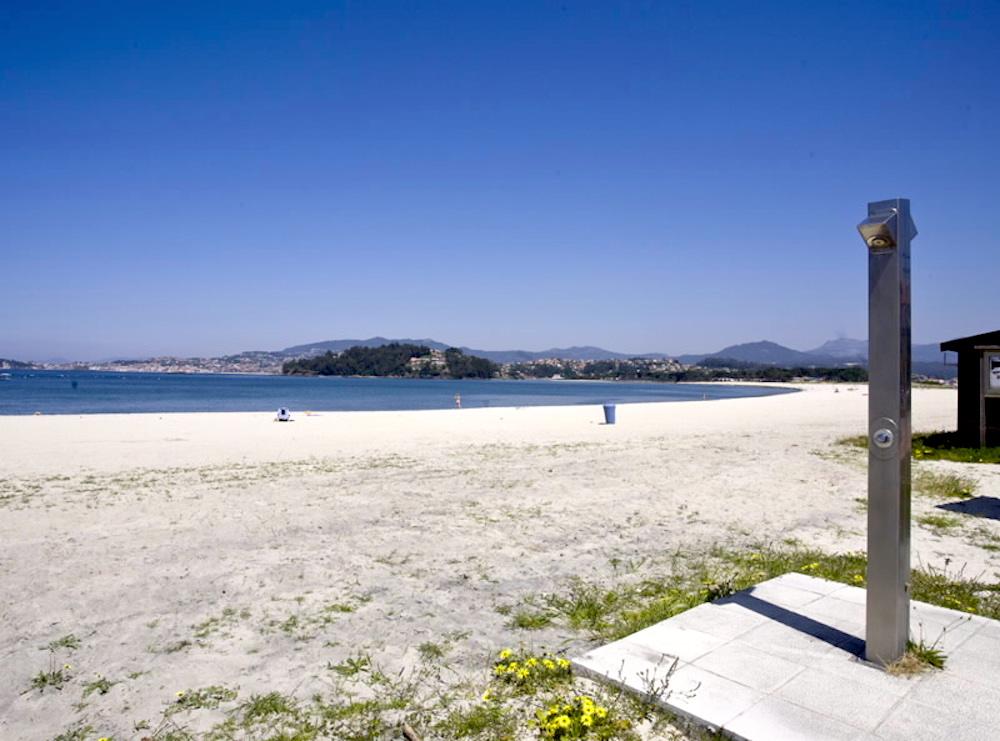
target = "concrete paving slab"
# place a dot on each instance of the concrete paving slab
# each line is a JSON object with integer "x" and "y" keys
{"x": 853, "y": 704}
{"x": 859, "y": 672}
{"x": 837, "y": 612}
{"x": 779, "y": 720}
{"x": 914, "y": 721}
{"x": 686, "y": 644}
{"x": 628, "y": 664}
{"x": 947, "y": 628}
{"x": 709, "y": 698}
{"x": 719, "y": 620}
{"x": 776, "y": 661}
{"x": 786, "y": 642}
{"x": 813, "y": 584}
{"x": 857, "y": 595}
{"x": 784, "y": 595}
{"x": 749, "y": 666}
{"x": 956, "y": 696}
{"x": 978, "y": 660}
{"x": 991, "y": 629}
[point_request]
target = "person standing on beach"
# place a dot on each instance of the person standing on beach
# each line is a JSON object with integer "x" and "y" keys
{"x": 458, "y": 400}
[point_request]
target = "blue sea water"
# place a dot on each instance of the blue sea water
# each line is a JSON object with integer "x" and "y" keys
{"x": 87, "y": 392}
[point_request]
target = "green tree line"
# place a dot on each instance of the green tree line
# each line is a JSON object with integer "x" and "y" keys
{"x": 392, "y": 360}
{"x": 387, "y": 360}
{"x": 638, "y": 370}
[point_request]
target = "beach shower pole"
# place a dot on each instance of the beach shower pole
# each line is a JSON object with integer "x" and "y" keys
{"x": 887, "y": 231}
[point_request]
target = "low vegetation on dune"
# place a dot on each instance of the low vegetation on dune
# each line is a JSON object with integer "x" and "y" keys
{"x": 936, "y": 446}
{"x": 609, "y": 612}
{"x": 516, "y": 692}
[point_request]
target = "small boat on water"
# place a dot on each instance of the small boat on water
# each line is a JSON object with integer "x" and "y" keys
{"x": 5, "y": 377}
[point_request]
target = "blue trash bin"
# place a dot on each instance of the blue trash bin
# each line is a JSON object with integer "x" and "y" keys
{"x": 609, "y": 414}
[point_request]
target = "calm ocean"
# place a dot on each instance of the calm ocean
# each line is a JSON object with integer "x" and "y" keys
{"x": 85, "y": 392}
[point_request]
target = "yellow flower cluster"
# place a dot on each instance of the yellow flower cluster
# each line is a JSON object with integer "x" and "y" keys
{"x": 576, "y": 718}
{"x": 525, "y": 670}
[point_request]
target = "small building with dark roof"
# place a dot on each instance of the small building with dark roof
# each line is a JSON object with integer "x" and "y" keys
{"x": 978, "y": 388}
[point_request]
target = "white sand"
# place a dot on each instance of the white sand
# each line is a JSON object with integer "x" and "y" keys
{"x": 128, "y": 530}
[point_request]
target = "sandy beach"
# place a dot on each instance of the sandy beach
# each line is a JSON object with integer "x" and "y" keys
{"x": 191, "y": 550}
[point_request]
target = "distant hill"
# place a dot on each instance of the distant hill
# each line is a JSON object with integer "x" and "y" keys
{"x": 844, "y": 348}
{"x": 765, "y": 353}
{"x": 497, "y": 356}
{"x": 927, "y": 359}
{"x": 838, "y": 352}
{"x": 857, "y": 350}
{"x": 841, "y": 352}
{"x": 318, "y": 348}
{"x": 8, "y": 364}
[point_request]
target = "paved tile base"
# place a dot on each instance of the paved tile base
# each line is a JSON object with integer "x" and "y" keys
{"x": 783, "y": 661}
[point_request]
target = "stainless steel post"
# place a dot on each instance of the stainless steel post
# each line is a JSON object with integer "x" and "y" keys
{"x": 887, "y": 232}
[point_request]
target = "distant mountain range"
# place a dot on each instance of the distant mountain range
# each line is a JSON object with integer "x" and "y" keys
{"x": 927, "y": 359}
{"x": 497, "y": 356}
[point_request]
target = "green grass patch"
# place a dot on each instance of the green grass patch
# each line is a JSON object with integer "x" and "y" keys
{"x": 610, "y": 612}
{"x": 940, "y": 524}
{"x": 431, "y": 651}
{"x": 943, "y": 485}
{"x": 68, "y": 642}
{"x": 52, "y": 679}
{"x": 934, "y": 586}
{"x": 945, "y": 446}
{"x": 229, "y": 617}
{"x": 530, "y": 619}
{"x": 79, "y": 732}
{"x": 486, "y": 720}
{"x": 983, "y": 537}
{"x": 205, "y": 698}
{"x": 854, "y": 441}
{"x": 352, "y": 666}
{"x": 936, "y": 446}
{"x": 920, "y": 657}
{"x": 101, "y": 685}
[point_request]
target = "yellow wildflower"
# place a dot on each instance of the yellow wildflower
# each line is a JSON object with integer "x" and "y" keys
{"x": 487, "y": 696}
{"x": 548, "y": 663}
{"x": 67, "y": 666}
{"x": 532, "y": 661}
{"x": 601, "y": 712}
{"x": 506, "y": 654}
{"x": 587, "y": 720}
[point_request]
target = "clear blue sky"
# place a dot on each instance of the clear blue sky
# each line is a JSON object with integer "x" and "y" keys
{"x": 203, "y": 178}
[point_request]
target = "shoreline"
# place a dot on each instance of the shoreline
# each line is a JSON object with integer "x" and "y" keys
{"x": 104, "y": 397}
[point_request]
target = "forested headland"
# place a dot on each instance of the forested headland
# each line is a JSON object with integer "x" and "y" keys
{"x": 394, "y": 360}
